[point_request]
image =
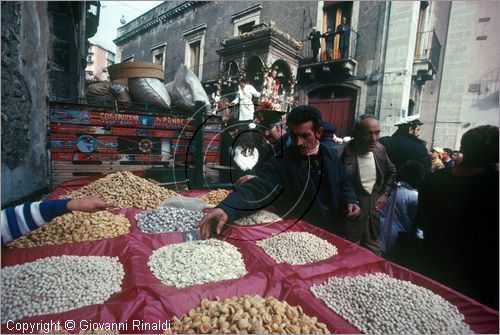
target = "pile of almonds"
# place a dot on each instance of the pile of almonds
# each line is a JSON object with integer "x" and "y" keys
{"x": 75, "y": 227}
{"x": 124, "y": 189}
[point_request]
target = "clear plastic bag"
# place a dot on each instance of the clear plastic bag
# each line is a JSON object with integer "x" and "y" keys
{"x": 194, "y": 204}
{"x": 186, "y": 89}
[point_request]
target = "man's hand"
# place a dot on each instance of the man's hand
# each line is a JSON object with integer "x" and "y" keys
{"x": 88, "y": 204}
{"x": 353, "y": 211}
{"x": 215, "y": 214}
{"x": 244, "y": 179}
{"x": 381, "y": 202}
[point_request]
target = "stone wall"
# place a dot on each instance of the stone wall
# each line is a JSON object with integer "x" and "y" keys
{"x": 398, "y": 63}
{"x": 368, "y": 53}
{"x": 431, "y": 90}
{"x": 24, "y": 99}
{"x": 472, "y": 57}
{"x": 39, "y": 59}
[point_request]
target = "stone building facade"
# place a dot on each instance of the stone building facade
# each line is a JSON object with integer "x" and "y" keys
{"x": 395, "y": 66}
{"x": 43, "y": 55}
{"x": 470, "y": 83}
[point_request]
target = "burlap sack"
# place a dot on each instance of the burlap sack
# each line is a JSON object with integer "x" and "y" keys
{"x": 100, "y": 92}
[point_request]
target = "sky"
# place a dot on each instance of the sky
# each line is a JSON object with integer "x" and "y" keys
{"x": 111, "y": 13}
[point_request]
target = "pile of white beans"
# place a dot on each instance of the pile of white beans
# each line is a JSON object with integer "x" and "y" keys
{"x": 297, "y": 248}
{"x": 58, "y": 284}
{"x": 262, "y": 216}
{"x": 197, "y": 262}
{"x": 168, "y": 219}
{"x": 377, "y": 303}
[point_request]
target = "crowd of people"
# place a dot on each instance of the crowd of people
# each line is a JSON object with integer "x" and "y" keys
{"x": 384, "y": 194}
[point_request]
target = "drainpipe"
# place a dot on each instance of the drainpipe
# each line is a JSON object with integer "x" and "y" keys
{"x": 441, "y": 77}
{"x": 383, "y": 52}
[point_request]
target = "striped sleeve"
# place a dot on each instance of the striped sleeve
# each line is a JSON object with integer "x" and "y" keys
{"x": 20, "y": 220}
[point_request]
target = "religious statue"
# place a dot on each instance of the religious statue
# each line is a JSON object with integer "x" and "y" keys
{"x": 271, "y": 85}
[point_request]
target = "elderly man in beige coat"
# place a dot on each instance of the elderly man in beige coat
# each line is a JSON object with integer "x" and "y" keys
{"x": 372, "y": 175}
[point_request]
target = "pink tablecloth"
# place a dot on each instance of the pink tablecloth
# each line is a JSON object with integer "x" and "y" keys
{"x": 143, "y": 297}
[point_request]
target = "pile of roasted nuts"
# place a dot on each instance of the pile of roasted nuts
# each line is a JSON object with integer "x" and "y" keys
{"x": 215, "y": 197}
{"x": 124, "y": 189}
{"x": 75, "y": 227}
{"x": 247, "y": 315}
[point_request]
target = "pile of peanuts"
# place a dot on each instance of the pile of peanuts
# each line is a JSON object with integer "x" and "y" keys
{"x": 247, "y": 315}
{"x": 215, "y": 197}
{"x": 75, "y": 227}
{"x": 379, "y": 304}
{"x": 123, "y": 189}
{"x": 197, "y": 262}
{"x": 297, "y": 248}
{"x": 58, "y": 284}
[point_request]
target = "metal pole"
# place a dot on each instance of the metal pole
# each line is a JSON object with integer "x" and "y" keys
{"x": 198, "y": 140}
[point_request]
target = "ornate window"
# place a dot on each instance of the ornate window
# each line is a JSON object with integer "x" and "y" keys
{"x": 158, "y": 54}
{"x": 195, "y": 45}
{"x": 246, "y": 19}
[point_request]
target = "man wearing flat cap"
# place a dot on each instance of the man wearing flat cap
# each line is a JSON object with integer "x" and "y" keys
{"x": 404, "y": 144}
{"x": 330, "y": 139}
{"x": 272, "y": 127}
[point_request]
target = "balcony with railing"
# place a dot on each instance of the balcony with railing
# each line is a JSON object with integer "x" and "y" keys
{"x": 427, "y": 55}
{"x": 337, "y": 63}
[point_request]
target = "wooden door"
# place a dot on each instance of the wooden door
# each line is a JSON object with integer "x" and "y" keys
{"x": 339, "y": 112}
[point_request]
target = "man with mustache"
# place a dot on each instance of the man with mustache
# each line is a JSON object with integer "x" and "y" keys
{"x": 307, "y": 182}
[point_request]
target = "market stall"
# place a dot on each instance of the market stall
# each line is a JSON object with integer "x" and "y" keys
{"x": 144, "y": 304}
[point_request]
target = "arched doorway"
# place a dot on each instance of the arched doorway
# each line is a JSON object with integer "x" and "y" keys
{"x": 253, "y": 70}
{"x": 337, "y": 105}
{"x": 284, "y": 74}
{"x": 229, "y": 79}
{"x": 232, "y": 69}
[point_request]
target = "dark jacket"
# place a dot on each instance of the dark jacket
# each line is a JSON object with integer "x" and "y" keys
{"x": 314, "y": 37}
{"x": 449, "y": 164}
{"x": 386, "y": 172}
{"x": 284, "y": 184}
{"x": 461, "y": 247}
{"x": 402, "y": 148}
{"x": 268, "y": 151}
{"x": 329, "y": 36}
{"x": 344, "y": 32}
